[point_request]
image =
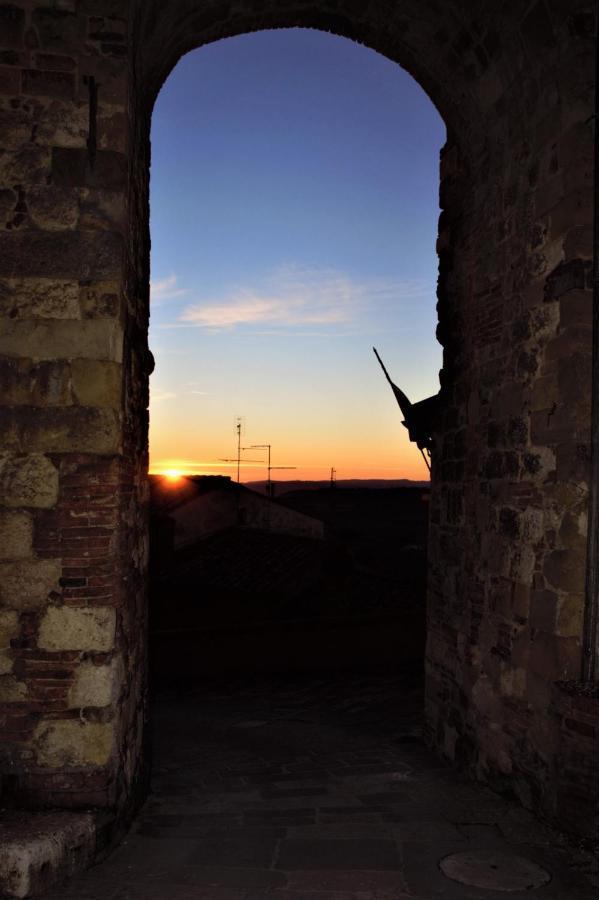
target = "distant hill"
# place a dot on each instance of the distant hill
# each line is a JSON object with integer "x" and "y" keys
{"x": 285, "y": 487}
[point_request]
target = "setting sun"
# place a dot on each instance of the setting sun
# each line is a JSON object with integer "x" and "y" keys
{"x": 173, "y": 474}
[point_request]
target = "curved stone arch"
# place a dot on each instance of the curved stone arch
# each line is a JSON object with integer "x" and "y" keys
{"x": 441, "y": 46}
{"x": 412, "y": 34}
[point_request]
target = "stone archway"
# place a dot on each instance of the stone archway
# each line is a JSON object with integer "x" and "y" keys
{"x": 78, "y": 82}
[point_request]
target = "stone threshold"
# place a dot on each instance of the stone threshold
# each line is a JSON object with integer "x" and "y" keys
{"x": 38, "y": 850}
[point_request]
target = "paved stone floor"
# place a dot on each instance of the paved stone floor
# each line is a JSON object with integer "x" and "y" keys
{"x": 314, "y": 789}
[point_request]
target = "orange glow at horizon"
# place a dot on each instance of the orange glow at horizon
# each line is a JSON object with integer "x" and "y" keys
{"x": 172, "y": 474}
{"x": 402, "y": 461}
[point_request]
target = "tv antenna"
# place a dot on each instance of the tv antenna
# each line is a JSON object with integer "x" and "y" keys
{"x": 239, "y": 429}
{"x": 269, "y": 491}
{"x": 333, "y": 477}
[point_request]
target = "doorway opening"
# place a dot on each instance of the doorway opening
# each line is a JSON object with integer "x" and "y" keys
{"x": 294, "y": 208}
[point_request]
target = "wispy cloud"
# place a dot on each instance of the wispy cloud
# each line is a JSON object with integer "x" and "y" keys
{"x": 295, "y": 297}
{"x": 166, "y": 289}
{"x": 157, "y": 396}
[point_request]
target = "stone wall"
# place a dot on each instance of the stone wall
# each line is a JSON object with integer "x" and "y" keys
{"x": 78, "y": 79}
{"x": 574, "y": 794}
{"x": 72, "y": 566}
{"x": 508, "y": 529}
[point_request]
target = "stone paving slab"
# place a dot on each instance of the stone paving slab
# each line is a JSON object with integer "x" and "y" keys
{"x": 338, "y": 853}
{"x": 364, "y": 880}
{"x": 297, "y": 793}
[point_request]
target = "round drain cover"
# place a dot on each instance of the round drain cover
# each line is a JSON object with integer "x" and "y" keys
{"x": 494, "y": 871}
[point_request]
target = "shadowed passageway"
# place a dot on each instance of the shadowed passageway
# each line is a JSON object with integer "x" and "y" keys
{"x": 320, "y": 789}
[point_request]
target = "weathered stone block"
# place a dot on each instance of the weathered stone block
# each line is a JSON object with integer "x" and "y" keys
{"x": 12, "y": 25}
{"x": 100, "y": 300}
{"x": 16, "y": 534}
{"x": 11, "y": 689}
{"x": 35, "y": 384}
{"x": 569, "y": 615}
{"x": 8, "y": 201}
{"x": 546, "y": 427}
{"x": 112, "y": 131}
{"x": 513, "y": 682}
{"x": 9, "y": 630}
{"x": 29, "y": 164}
{"x": 102, "y": 209}
{"x": 10, "y": 81}
{"x": 543, "y": 657}
{"x": 52, "y": 207}
{"x": 40, "y": 850}
{"x": 55, "y": 61}
{"x": 73, "y": 743}
{"x": 63, "y": 124}
{"x": 538, "y": 463}
{"x": 15, "y": 125}
{"x": 95, "y": 255}
{"x": 9, "y": 627}
{"x": 573, "y": 211}
{"x": 107, "y": 29}
{"x": 49, "y": 83}
{"x": 576, "y": 308}
{"x": 574, "y": 376}
{"x": 569, "y": 276}
{"x": 32, "y": 298}
{"x": 71, "y": 429}
{"x": 63, "y": 339}
{"x": 58, "y": 29}
{"x": 28, "y": 480}
{"x": 50, "y": 384}
{"x": 73, "y": 628}
{"x": 573, "y": 528}
{"x": 26, "y": 584}
{"x": 565, "y": 569}
{"x": 544, "y": 392}
{"x": 522, "y": 563}
{"x": 96, "y": 383}
{"x": 543, "y": 611}
{"x": 579, "y": 242}
{"x": 72, "y": 168}
{"x": 532, "y": 525}
{"x": 95, "y": 686}
{"x": 573, "y": 461}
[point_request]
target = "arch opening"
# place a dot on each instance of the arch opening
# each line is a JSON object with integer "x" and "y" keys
{"x": 294, "y": 215}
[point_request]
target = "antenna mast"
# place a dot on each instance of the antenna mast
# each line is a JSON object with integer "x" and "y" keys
{"x": 269, "y": 485}
{"x": 238, "y": 425}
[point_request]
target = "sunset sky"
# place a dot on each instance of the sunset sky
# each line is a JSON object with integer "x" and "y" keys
{"x": 294, "y": 205}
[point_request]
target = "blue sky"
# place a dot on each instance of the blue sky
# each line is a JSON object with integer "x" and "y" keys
{"x": 294, "y": 206}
